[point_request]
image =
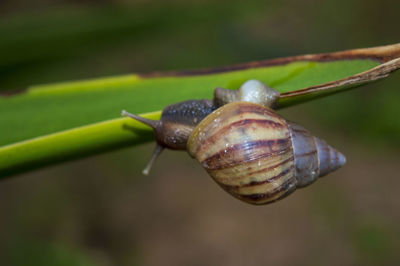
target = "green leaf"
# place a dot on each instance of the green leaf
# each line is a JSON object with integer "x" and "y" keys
{"x": 54, "y": 123}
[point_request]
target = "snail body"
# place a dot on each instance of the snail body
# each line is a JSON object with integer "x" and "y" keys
{"x": 247, "y": 148}
{"x": 177, "y": 123}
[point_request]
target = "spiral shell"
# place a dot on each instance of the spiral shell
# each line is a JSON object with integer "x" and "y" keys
{"x": 256, "y": 155}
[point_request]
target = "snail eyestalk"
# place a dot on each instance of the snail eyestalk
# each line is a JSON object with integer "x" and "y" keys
{"x": 156, "y": 153}
{"x": 155, "y": 124}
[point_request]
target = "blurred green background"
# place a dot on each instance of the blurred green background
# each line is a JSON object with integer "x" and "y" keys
{"x": 102, "y": 211}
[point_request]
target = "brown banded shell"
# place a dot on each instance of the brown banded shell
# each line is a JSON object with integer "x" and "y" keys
{"x": 250, "y": 151}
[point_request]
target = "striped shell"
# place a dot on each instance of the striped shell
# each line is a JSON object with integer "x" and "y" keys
{"x": 248, "y": 150}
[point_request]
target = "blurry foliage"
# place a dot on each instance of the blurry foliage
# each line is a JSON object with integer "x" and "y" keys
{"x": 43, "y": 41}
{"x": 36, "y": 253}
{"x": 373, "y": 242}
{"x": 370, "y": 236}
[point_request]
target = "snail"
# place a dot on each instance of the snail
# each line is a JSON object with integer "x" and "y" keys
{"x": 247, "y": 148}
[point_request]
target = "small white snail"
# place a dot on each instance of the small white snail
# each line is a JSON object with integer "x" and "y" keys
{"x": 247, "y": 148}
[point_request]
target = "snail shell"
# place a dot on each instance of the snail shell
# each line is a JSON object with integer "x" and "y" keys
{"x": 258, "y": 156}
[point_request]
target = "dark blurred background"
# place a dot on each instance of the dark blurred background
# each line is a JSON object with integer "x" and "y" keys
{"x": 101, "y": 211}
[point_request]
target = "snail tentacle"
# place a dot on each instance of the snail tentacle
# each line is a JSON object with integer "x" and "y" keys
{"x": 155, "y": 124}
{"x": 157, "y": 151}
